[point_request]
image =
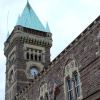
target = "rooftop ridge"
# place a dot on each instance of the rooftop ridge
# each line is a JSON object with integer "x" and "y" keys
{"x": 56, "y": 58}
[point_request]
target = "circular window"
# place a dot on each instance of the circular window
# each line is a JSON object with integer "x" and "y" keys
{"x": 33, "y": 71}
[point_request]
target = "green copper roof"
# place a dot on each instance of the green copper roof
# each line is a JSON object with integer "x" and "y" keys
{"x": 29, "y": 19}
{"x": 47, "y": 27}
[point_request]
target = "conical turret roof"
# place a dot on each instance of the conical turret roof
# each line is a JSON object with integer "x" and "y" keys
{"x": 29, "y": 19}
{"x": 47, "y": 27}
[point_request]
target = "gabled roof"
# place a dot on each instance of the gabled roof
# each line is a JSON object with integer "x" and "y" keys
{"x": 29, "y": 19}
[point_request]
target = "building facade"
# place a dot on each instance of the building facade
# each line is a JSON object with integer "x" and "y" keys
{"x": 30, "y": 75}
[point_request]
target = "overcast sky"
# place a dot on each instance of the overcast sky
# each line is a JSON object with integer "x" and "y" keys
{"x": 66, "y": 18}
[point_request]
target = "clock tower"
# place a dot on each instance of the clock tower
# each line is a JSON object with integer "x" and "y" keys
{"x": 27, "y": 51}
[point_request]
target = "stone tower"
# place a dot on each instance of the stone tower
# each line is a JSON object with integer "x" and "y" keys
{"x": 27, "y": 51}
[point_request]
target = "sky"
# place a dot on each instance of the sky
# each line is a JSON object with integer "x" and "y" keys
{"x": 66, "y": 18}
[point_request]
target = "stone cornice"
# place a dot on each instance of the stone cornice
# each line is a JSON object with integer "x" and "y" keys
{"x": 27, "y": 38}
{"x": 72, "y": 45}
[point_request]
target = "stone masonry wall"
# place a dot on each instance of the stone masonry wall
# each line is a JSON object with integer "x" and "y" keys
{"x": 89, "y": 67}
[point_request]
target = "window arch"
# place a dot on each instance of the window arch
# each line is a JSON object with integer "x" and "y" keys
{"x": 27, "y": 55}
{"x": 39, "y": 57}
{"x": 35, "y": 57}
{"x": 72, "y": 84}
{"x": 32, "y": 56}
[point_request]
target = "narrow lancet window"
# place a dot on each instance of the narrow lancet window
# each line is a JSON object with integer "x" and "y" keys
{"x": 39, "y": 57}
{"x": 27, "y": 55}
{"x": 31, "y": 56}
{"x": 35, "y": 57}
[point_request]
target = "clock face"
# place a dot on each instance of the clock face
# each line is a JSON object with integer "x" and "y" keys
{"x": 33, "y": 71}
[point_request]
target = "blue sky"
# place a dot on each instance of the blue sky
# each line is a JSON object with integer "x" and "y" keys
{"x": 66, "y": 18}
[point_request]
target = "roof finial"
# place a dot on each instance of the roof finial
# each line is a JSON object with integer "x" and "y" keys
{"x": 27, "y": 1}
{"x": 7, "y": 26}
{"x": 47, "y": 27}
{"x": 28, "y": 5}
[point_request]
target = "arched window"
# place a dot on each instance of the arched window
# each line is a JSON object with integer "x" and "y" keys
{"x": 72, "y": 84}
{"x": 31, "y": 56}
{"x": 39, "y": 57}
{"x": 34, "y": 71}
{"x": 44, "y": 95}
{"x": 35, "y": 57}
{"x": 27, "y": 55}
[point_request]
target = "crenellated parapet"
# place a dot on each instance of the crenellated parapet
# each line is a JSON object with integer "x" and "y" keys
{"x": 29, "y": 36}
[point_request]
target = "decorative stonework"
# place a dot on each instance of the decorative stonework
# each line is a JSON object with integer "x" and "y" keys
{"x": 29, "y": 65}
{"x": 36, "y": 52}
{"x": 36, "y": 39}
{"x": 43, "y": 91}
{"x": 71, "y": 69}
